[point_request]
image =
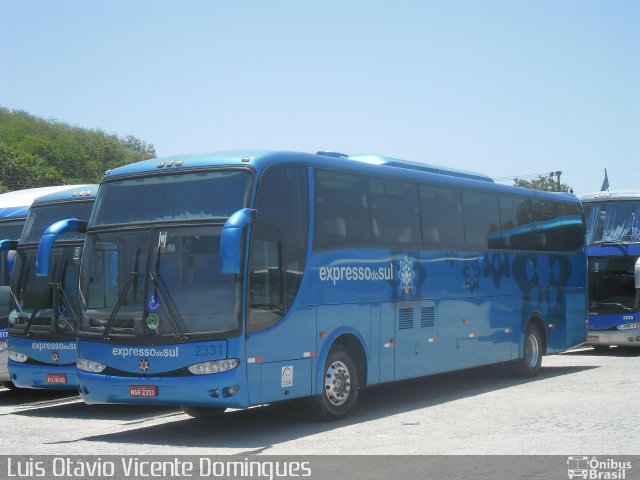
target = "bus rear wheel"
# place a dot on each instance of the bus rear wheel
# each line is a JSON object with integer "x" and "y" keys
{"x": 203, "y": 412}
{"x": 530, "y": 363}
{"x": 8, "y": 385}
{"x": 340, "y": 387}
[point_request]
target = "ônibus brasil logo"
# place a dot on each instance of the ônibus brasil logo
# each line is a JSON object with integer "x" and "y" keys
{"x": 596, "y": 469}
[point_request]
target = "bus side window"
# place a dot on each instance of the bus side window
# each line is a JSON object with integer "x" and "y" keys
{"x": 481, "y": 218}
{"x": 394, "y": 212}
{"x": 441, "y": 213}
{"x": 342, "y": 210}
{"x": 279, "y": 246}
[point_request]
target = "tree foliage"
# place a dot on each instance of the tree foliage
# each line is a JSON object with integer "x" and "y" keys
{"x": 543, "y": 182}
{"x": 35, "y": 152}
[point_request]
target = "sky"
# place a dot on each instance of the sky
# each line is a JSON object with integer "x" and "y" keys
{"x": 510, "y": 89}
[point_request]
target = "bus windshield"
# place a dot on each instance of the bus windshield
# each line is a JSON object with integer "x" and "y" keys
{"x": 43, "y": 216}
{"x": 45, "y": 304}
{"x": 612, "y": 221}
{"x": 157, "y": 282}
{"x": 611, "y": 284}
{"x": 11, "y": 229}
{"x": 157, "y": 198}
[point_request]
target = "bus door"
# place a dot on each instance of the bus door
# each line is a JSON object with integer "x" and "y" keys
{"x": 280, "y": 333}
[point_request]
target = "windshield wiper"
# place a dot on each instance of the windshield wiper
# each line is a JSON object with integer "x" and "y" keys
{"x": 41, "y": 302}
{"x": 610, "y": 242}
{"x": 175, "y": 320}
{"x": 65, "y": 298}
{"x": 121, "y": 297}
{"x": 39, "y": 306}
{"x": 119, "y": 302}
{"x": 611, "y": 304}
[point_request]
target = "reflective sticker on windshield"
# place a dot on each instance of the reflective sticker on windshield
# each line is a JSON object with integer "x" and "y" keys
{"x": 153, "y": 321}
{"x": 153, "y": 303}
{"x": 162, "y": 240}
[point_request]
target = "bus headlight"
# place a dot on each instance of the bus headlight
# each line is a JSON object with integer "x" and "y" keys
{"x": 17, "y": 356}
{"x": 628, "y": 326}
{"x": 89, "y": 365}
{"x": 3, "y": 345}
{"x": 215, "y": 366}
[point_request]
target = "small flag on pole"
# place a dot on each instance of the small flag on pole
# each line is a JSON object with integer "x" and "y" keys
{"x": 605, "y": 183}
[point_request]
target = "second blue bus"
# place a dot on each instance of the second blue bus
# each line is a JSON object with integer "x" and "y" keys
{"x": 44, "y": 313}
{"x": 613, "y": 239}
{"x": 14, "y": 208}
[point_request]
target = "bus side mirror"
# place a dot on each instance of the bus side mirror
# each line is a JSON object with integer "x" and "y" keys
{"x": 231, "y": 239}
{"x": 636, "y": 273}
{"x": 6, "y": 245}
{"x": 49, "y": 238}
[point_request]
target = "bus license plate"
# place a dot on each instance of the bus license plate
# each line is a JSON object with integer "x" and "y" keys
{"x": 593, "y": 338}
{"x": 57, "y": 378}
{"x": 143, "y": 391}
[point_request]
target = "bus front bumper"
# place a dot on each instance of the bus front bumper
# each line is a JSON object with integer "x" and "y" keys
{"x": 221, "y": 390}
{"x": 621, "y": 338}
{"x": 50, "y": 377}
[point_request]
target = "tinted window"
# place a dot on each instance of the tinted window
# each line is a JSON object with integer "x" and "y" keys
{"x": 278, "y": 250}
{"x": 394, "y": 212}
{"x": 441, "y": 212}
{"x": 538, "y": 225}
{"x": 342, "y": 210}
{"x": 42, "y": 217}
{"x": 480, "y": 218}
{"x": 180, "y": 196}
{"x": 11, "y": 230}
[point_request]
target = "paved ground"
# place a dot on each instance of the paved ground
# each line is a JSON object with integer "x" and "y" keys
{"x": 583, "y": 403}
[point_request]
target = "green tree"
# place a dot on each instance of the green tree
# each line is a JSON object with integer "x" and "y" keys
{"x": 21, "y": 170}
{"x": 543, "y": 182}
{"x": 38, "y": 152}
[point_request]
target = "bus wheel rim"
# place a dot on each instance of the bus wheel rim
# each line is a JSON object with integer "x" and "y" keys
{"x": 337, "y": 383}
{"x": 534, "y": 350}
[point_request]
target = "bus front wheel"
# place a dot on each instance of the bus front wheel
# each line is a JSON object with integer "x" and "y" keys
{"x": 340, "y": 386}
{"x": 530, "y": 363}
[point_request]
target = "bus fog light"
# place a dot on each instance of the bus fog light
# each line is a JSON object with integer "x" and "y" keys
{"x": 3, "y": 345}
{"x": 89, "y": 365}
{"x": 214, "y": 366}
{"x": 628, "y": 326}
{"x": 17, "y": 356}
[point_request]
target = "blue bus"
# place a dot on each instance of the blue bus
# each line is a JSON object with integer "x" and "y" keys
{"x": 14, "y": 207}
{"x": 44, "y": 310}
{"x": 613, "y": 248}
{"x": 239, "y": 279}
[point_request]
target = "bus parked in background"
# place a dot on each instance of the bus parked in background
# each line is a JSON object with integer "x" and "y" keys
{"x": 613, "y": 247}
{"x": 44, "y": 311}
{"x": 14, "y": 207}
{"x": 230, "y": 280}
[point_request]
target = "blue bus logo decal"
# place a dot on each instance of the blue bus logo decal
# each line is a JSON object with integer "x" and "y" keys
{"x": 406, "y": 275}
